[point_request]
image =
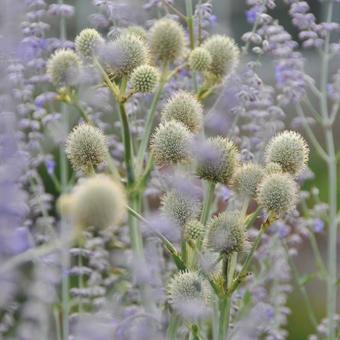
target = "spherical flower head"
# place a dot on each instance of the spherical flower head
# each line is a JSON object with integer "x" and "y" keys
{"x": 64, "y": 205}
{"x": 166, "y": 40}
{"x": 188, "y": 294}
{"x": 278, "y": 193}
{"x": 86, "y": 43}
{"x": 86, "y": 148}
{"x": 98, "y": 202}
{"x": 63, "y": 68}
{"x": 225, "y": 55}
{"x": 186, "y": 109}
{"x": 170, "y": 143}
{"x": 138, "y": 31}
{"x": 180, "y": 207}
{"x": 289, "y": 150}
{"x": 200, "y": 59}
{"x": 273, "y": 168}
{"x": 247, "y": 178}
{"x": 217, "y": 160}
{"x": 194, "y": 230}
{"x": 226, "y": 233}
{"x": 144, "y": 78}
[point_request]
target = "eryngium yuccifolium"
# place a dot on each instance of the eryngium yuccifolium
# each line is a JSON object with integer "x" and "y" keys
{"x": 217, "y": 160}
{"x": 272, "y": 168}
{"x": 185, "y": 108}
{"x": 278, "y": 193}
{"x": 224, "y": 53}
{"x": 86, "y": 147}
{"x": 63, "y": 68}
{"x": 200, "y": 59}
{"x": 86, "y": 43}
{"x": 247, "y": 178}
{"x": 144, "y": 78}
{"x": 170, "y": 143}
{"x": 188, "y": 295}
{"x": 226, "y": 233}
{"x": 138, "y": 31}
{"x": 289, "y": 150}
{"x": 166, "y": 40}
{"x": 194, "y": 230}
{"x": 98, "y": 202}
{"x": 180, "y": 207}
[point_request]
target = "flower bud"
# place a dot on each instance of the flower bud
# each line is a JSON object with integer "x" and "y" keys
{"x": 144, "y": 78}
{"x": 200, "y": 59}
{"x": 86, "y": 43}
{"x": 194, "y": 230}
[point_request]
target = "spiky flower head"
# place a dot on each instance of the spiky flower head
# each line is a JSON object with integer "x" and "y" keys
{"x": 98, "y": 202}
{"x": 144, "y": 78}
{"x": 138, "y": 31}
{"x": 247, "y": 178}
{"x": 170, "y": 143}
{"x": 166, "y": 40}
{"x": 272, "y": 168}
{"x": 216, "y": 161}
{"x": 180, "y": 207}
{"x": 289, "y": 150}
{"x": 63, "y": 68}
{"x": 278, "y": 193}
{"x": 185, "y": 108}
{"x": 64, "y": 205}
{"x": 200, "y": 59}
{"x": 224, "y": 53}
{"x": 87, "y": 42}
{"x": 194, "y": 230}
{"x": 226, "y": 233}
{"x": 188, "y": 294}
{"x": 86, "y": 148}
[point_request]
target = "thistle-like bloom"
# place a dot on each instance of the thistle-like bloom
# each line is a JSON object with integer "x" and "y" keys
{"x": 63, "y": 68}
{"x": 138, "y": 31}
{"x": 144, "y": 78}
{"x": 98, "y": 202}
{"x": 216, "y": 160}
{"x": 226, "y": 233}
{"x": 170, "y": 143}
{"x": 224, "y": 53}
{"x": 188, "y": 294}
{"x": 87, "y": 42}
{"x": 186, "y": 109}
{"x": 200, "y": 59}
{"x": 289, "y": 150}
{"x": 247, "y": 178}
{"x": 86, "y": 148}
{"x": 180, "y": 207}
{"x": 272, "y": 168}
{"x": 194, "y": 230}
{"x": 166, "y": 40}
{"x": 278, "y": 193}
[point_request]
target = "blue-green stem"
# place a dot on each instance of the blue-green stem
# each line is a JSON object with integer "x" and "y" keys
{"x": 173, "y": 326}
{"x": 208, "y": 201}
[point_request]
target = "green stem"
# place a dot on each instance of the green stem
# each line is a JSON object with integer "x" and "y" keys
{"x": 190, "y": 22}
{"x": 173, "y": 326}
{"x": 208, "y": 200}
{"x": 224, "y": 307}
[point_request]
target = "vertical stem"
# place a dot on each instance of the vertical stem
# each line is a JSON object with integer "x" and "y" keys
{"x": 208, "y": 200}
{"x": 190, "y": 22}
{"x": 224, "y": 306}
{"x": 173, "y": 326}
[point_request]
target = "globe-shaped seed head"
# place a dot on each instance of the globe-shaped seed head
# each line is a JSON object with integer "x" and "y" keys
{"x": 98, "y": 202}
{"x": 86, "y": 148}
{"x": 63, "y": 68}
{"x": 194, "y": 230}
{"x": 247, "y": 178}
{"x": 188, "y": 294}
{"x": 138, "y": 31}
{"x": 224, "y": 54}
{"x": 180, "y": 207}
{"x": 166, "y": 40}
{"x": 217, "y": 160}
{"x": 272, "y": 168}
{"x": 144, "y": 78}
{"x": 200, "y": 59}
{"x": 170, "y": 143}
{"x": 278, "y": 193}
{"x": 186, "y": 109}
{"x": 289, "y": 150}
{"x": 226, "y": 233}
{"x": 87, "y": 42}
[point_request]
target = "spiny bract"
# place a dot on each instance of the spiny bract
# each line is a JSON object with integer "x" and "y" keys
{"x": 98, "y": 202}
{"x": 63, "y": 68}
{"x": 226, "y": 233}
{"x": 144, "y": 78}
{"x": 219, "y": 161}
{"x": 200, "y": 59}
{"x": 184, "y": 108}
{"x": 86, "y": 43}
{"x": 170, "y": 143}
{"x": 166, "y": 40}
{"x": 278, "y": 193}
{"x": 289, "y": 150}
{"x": 86, "y": 148}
